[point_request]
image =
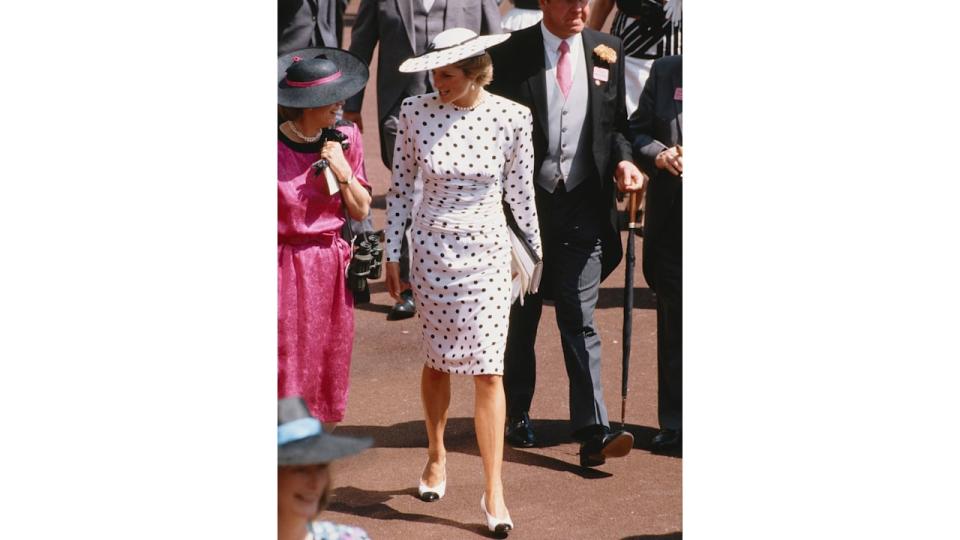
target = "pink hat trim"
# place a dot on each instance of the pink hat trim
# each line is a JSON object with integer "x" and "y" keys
{"x": 318, "y": 82}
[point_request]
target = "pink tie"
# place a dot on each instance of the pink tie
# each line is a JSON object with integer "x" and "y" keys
{"x": 564, "y": 75}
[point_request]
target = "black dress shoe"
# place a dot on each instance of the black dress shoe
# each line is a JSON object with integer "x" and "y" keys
{"x": 666, "y": 440}
{"x": 596, "y": 450}
{"x": 520, "y": 433}
{"x": 404, "y": 309}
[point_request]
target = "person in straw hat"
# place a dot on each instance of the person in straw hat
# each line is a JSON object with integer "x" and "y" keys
{"x": 304, "y": 454}
{"x": 474, "y": 153}
{"x": 315, "y": 307}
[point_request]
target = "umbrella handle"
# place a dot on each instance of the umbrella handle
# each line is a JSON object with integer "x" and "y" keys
{"x": 633, "y": 204}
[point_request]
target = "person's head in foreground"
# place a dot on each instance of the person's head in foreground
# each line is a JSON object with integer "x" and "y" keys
{"x": 304, "y": 454}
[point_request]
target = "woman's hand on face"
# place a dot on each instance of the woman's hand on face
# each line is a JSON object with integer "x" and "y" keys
{"x": 393, "y": 279}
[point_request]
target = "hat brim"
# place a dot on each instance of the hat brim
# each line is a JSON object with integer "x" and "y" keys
{"x": 353, "y": 78}
{"x": 318, "y": 449}
{"x": 452, "y": 55}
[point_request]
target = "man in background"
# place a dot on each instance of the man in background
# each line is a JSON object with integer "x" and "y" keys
{"x": 309, "y": 23}
{"x": 649, "y": 29}
{"x": 657, "y": 130}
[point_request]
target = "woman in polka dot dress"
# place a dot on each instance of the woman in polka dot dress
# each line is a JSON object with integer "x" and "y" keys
{"x": 474, "y": 152}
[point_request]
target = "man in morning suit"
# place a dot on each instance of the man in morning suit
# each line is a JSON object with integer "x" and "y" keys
{"x": 657, "y": 130}
{"x": 309, "y": 23}
{"x": 571, "y": 78}
{"x": 405, "y": 28}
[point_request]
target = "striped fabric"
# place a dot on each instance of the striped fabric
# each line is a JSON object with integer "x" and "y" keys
{"x": 647, "y": 39}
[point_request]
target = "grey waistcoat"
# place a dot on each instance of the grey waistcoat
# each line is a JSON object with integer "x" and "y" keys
{"x": 566, "y": 142}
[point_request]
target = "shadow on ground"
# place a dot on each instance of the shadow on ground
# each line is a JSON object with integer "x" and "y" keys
{"x": 669, "y": 536}
{"x": 609, "y": 297}
{"x": 612, "y": 297}
{"x": 373, "y": 504}
{"x": 459, "y": 437}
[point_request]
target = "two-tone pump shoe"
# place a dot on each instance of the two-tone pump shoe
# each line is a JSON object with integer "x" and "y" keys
{"x": 432, "y": 493}
{"x": 494, "y": 524}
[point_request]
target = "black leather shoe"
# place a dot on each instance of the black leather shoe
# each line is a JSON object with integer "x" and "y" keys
{"x": 596, "y": 450}
{"x": 404, "y": 309}
{"x": 666, "y": 440}
{"x": 520, "y": 433}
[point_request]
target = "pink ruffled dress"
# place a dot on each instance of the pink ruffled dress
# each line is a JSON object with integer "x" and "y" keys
{"x": 315, "y": 308}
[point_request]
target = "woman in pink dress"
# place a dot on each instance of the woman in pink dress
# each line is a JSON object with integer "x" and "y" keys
{"x": 319, "y": 182}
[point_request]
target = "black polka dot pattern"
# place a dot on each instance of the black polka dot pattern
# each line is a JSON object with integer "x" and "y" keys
{"x": 470, "y": 161}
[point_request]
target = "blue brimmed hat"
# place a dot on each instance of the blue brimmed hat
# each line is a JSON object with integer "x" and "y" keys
{"x": 302, "y": 441}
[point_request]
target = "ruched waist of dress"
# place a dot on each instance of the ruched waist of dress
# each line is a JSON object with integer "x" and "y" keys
{"x": 315, "y": 239}
{"x": 476, "y": 219}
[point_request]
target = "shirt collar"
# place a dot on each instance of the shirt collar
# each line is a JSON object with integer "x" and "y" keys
{"x": 551, "y": 42}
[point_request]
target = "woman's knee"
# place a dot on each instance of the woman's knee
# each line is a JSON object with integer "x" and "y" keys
{"x": 488, "y": 382}
{"x": 435, "y": 375}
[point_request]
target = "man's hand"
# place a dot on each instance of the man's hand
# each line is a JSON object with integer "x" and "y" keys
{"x": 629, "y": 178}
{"x": 354, "y": 116}
{"x": 671, "y": 159}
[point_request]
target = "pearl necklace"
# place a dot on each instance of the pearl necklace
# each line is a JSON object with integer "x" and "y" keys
{"x": 293, "y": 128}
{"x": 480, "y": 99}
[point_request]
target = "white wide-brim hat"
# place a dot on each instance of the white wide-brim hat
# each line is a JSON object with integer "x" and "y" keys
{"x": 450, "y": 47}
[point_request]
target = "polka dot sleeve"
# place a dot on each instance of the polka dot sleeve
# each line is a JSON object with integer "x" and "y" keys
{"x": 400, "y": 196}
{"x": 518, "y": 179}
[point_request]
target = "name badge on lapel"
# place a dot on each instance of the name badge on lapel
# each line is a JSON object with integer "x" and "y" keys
{"x": 600, "y": 75}
{"x": 678, "y": 94}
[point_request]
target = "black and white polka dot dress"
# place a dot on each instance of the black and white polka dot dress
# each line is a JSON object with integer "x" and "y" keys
{"x": 470, "y": 161}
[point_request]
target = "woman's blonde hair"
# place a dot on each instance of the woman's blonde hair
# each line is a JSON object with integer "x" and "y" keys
{"x": 478, "y": 68}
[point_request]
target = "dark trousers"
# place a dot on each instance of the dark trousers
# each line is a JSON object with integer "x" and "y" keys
{"x": 665, "y": 266}
{"x": 669, "y": 345}
{"x": 572, "y": 250}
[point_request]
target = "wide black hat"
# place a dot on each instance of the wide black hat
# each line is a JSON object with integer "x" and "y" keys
{"x": 302, "y": 441}
{"x": 315, "y": 77}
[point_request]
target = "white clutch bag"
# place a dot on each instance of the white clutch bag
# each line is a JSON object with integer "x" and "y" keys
{"x": 526, "y": 265}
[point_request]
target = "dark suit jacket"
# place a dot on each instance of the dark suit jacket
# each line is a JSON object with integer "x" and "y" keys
{"x": 309, "y": 23}
{"x": 519, "y": 73}
{"x": 389, "y": 23}
{"x": 656, "y": 125}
